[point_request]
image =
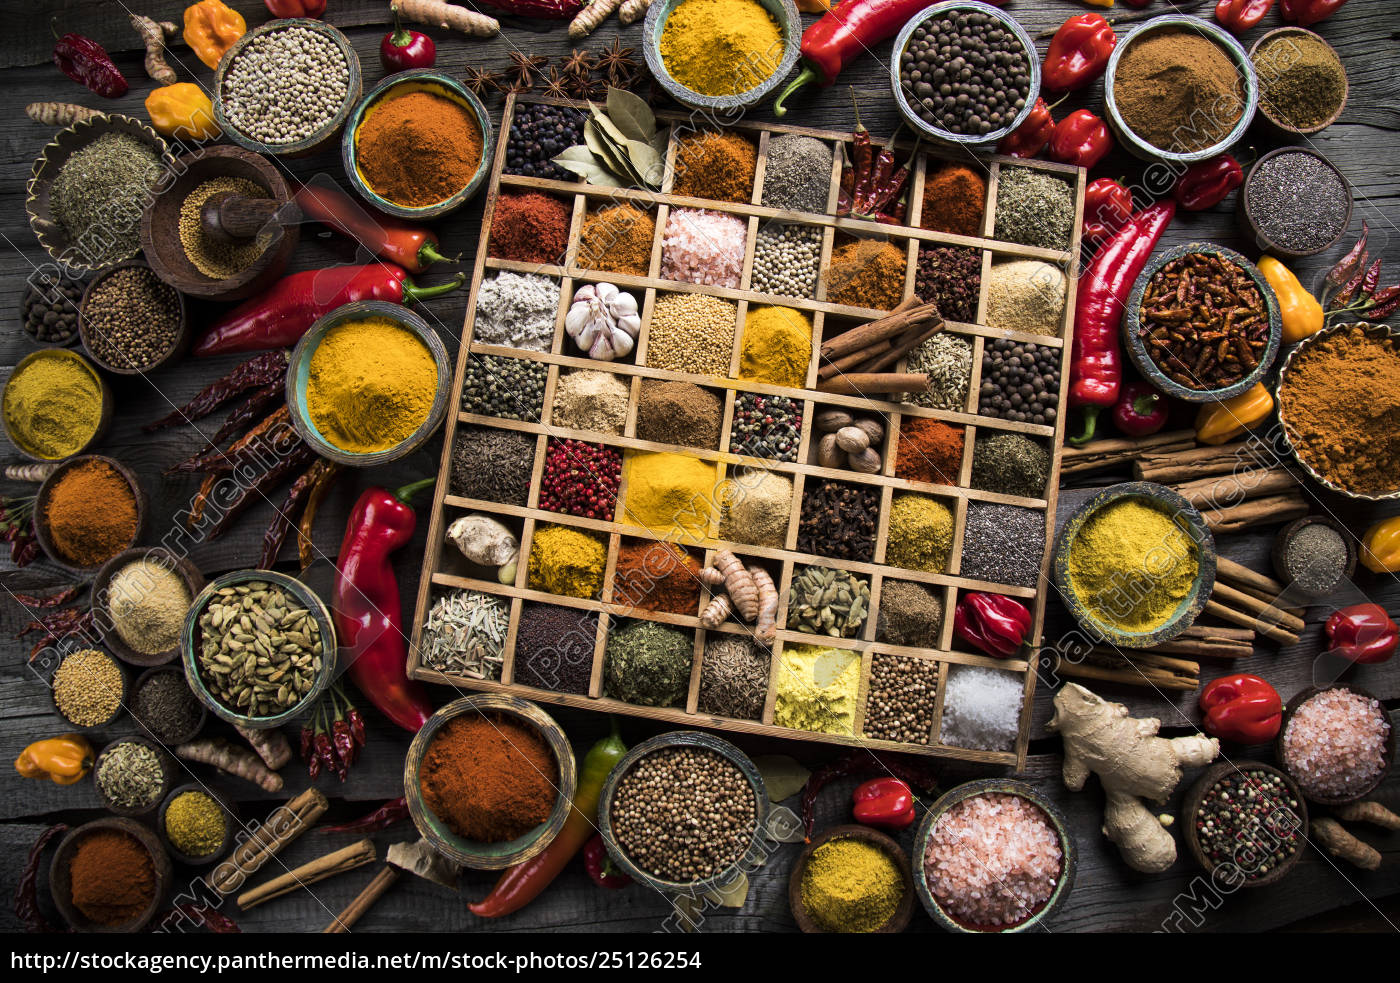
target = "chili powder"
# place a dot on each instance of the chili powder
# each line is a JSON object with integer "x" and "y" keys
{"x": 418, "y": 148}
{"x": 90, "y": 513}
{"x": 529, "y": 228}
{"x": 111, "y": 877}
{"x": 489, "y": 777}
{"x": 955, "y": 199}
{"x": 657, "y": 576}
{"x": 929, "y": 451}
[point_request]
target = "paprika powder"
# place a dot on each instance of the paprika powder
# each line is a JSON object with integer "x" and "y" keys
{"x": 418, "y": 148}
{"x": 955, "y": 199}
{"x": 657, "y": 576}
{"x": 489, "y": 777}
{"x": 112, "y": 878}
{"x": 90, "y": 513}
{"x": 529, "y": 228}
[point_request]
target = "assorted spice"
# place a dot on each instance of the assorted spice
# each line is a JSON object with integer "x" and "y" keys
{"x": 647, "y": 663}
{"x": 1020, "y": 381}
{"x": 112, "y": 877}
{"x": 838, "y": 520}
{"x": 1249, "y": 819}
{"x": 910, "y": 614}
{"x": 692, "y": 333}
{"x": 489, "y": 776}
{"x": 465, "y": 634}
{"x": 955, "y": 200}
{"x": 588, "y": 400}
{"x": 98, "y": 195}
{"x": 216, "y": 259}
{"x": 617, "y": 239}
{"x": 147, "y": 602}
{"x": 720, "y": 47}
{"x": 130, "y": 775}
{"x": 580, "y": 479}
{"x": 866, "y": 273}
{"x": 1010, "y": 464}
{"x": 1003, "y": 544}
{"x": 131, "y": 319}
{"x": 492, "y": 465}
{"x": 766, "y": 426}
{"x": 733, "y": 677}
{"x": 554, "y": 648}
{"x": 566, "y": 561}
{"x": 823, "y": 601}
{"x": 165, "y": 706}
{"x": 777, "y": 346}
{"x": 786, "y": 260}
{"x": 1302, "y": 83}
{"x": 715, "y": 165}
{"x": 797, "y": 173}
{"x": 657, "y": 576}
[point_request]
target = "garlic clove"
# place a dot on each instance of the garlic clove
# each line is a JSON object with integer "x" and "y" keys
{"x": 578, "y": 317}
{"x": 622, "y": 343}
{"x": 590, "y": 334}
{"x": 631, "y": 324}
{"x": 623, "y": 305}
{"x": 606, "y": 292}
{"x": 585, "y": 293}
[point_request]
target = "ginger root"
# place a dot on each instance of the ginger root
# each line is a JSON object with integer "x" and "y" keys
{"x": 1344, "y": 846}
{"x": 766, "y": 630}
{"x": 59, "y": 113}
{"x": 436, "y": 13}
{"x": 1367, "y": 812}
{"x": 1132, "y": 763}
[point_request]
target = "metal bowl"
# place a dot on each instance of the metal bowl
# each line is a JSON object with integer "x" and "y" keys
{"x": 61, "y": 878}
{"x": 190, "y": 639}
{"x": 1169, "y": 502}
{"x": 1068, "y": 863}
{"x": 1277, "y": 121}
{"x": 901, "y": 98}
{"x": 437, "y": 83}
{"x": 104, "y": 418}
{"x": 789, "y": 22}
{"x": 1137, "y": 349}
{"x": 471, "y": 853}
{"x": 300, "y": 368}
{"x": 1232, "y": 48}
{"x": 1376, "y": 330}
{"x": 1251, "y": 222}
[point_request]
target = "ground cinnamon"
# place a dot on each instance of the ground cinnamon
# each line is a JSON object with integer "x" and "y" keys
{"x": 112, "y": 878}
{"x": 418, "y": 148}
{"x": 489, "y": 778}
{"x": 90, "y": 513}
{"x": 1178, "y": 90}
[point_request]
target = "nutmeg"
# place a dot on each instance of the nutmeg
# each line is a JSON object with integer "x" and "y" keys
{"x": 828, "y": 454}
{"x": 873, "y": 428}
{"x": 866, "y": 462}
{"x": 852, "y": 440}
{"x": 830, "y": 421}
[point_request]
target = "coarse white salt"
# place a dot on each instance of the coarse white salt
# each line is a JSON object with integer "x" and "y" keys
{"x": 1334, "y": 745}
{"x": 981, "y": 708}
{"x": 701, "y": 246}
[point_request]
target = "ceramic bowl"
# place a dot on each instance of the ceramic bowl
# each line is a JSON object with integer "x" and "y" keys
{"x": 898, "y": 921}
{"x": 52, "y": 236}
{"x": 685, "y": 738}
{"x": 167, "y": 765}
{"x": 1069, "y": 861}
{"x": 101, "y": 582}
{"x": 231, "y": 826}
{"x": 44, "y": 534}
{"x": 1291, "y": 709}
{"x": 1284, "y": 377}
{"x": 191, "y": 640}
{"x": 61, "y": 877}
{"x": 160, "y": 225}
{"x": 146, "y": 677}
{"x": 328, "y": 131}
{"x": 1265, "y": 110}
{"x": 902, "y": 95}
{"x": 472, "y": 853}
{"x": 1233, "y": 50}
{"x": 300, "y": 369}
{"x": 439, "y": 84}
{"x": 1137, "y": 348}
{"x": 104, "y": 416}
{"x": 1251, "y": 222}
{"x": 789, "y": 22}
{"x": 123, "y": 696}
{"x": 172, "y": 353}
{"x": 1282, "y": 820}
{"x": 1169, "y": 502}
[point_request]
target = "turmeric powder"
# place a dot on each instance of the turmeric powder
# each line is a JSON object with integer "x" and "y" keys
{"x": 670, "y": 495}
{"x": 777, "y": 347}
{"x": 721, "y": 47}
{"x": 567, "y": 561}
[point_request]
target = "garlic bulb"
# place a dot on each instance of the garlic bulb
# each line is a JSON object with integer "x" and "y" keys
{"x": 603, "y": 321}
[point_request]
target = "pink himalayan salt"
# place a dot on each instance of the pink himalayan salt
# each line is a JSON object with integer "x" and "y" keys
{"x": 701, "y": 246}
{"x": 1335, "y": 744}
{"x": 993, "y": 860}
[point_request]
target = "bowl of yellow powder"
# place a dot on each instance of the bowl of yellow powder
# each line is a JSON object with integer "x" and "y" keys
{"x": 721, "y": 54}
{"x": 852, "y": 879}
{"x": 55, "y": 405}
{"x": 368, "y": 384}
{"x": 1135, "y": 565}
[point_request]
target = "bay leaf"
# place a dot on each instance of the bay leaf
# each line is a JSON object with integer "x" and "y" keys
{"x": 580, "y": 160}
{"x": 650, "y": 167}
{"x": 782, "y": 775}
{"x": 631, "y": 114}
{"x": 731, "y": 894}
{"x": 610, "y": 152}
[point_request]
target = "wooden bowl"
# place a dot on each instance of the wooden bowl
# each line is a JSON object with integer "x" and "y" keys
{"x": 160, "y": 225}
{"x": 1191, "y": 807}
{"x": 231, "y": 826}
{"x": 1278, "y": 556}
{"x": 1264, "y": 109}
{"x": 167, "y": 780}
{"x": 897, "y": 922}
{"x": 194, "y": 582}
{"x": 52, "y": 236}
{"x": 141, "y": 681}
{"x": 42, "y": 531}
{"x": 104, "y": 419}
{"x": 470, "y": 853}
{"x": 61, "y": 874}
{"x": 330, "y": 130}
{"x": 1068, "y": 863}
{"x": 126, "y": 691}
{"x": 1292, "y": 708}
{"x": 1251, "y": 225}
{"x": 177, "y": 347}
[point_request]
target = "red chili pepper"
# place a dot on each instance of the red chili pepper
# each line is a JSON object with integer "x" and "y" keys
{"x": 1305, "y": 13}
{"x": 389, "y": 814}
{"x": 845, "y": 32}
{"x": 543, "y": 9}
{"x": 916, "y": 772}
{"x": 202, "y": 914}
{"x": 1238, "y": 16}
{"x": 280, "y": 315}
{"x": 27, "y": 908}
{"x": 1032, "y": 135}
{"x": 1206, "y": 183}
{"x": 410, "y": 246}
{"x": 1107, "y": 205}
{"x": 1140, "y": 411}
{"x": 1386, "y": 302}
{"x": 84, "y": 60}
{"x": 1357, "y": 256}
{"x": 306, "y": 742}
{"x": 1081, "y": 139}
{"x": 1362, "y": 633}
{"x": 884, "y": 802}
{"x": 1096, "y": 362}
{"x": 1242, "y": 708}
{"x": 403, "y": 49}
{"x": 600, "y": 866}
{"x": 368, "y": 620}
{"x": 1079, "y": 52}
{"x": 993, "y": 623}
{"x": 296, "y": 8}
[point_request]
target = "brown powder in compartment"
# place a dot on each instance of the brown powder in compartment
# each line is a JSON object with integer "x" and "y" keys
{"x": 679, "y": 413}
{"x": 866, "y": 273}
{"x": 718, "y": 166}
{"x": 617, "y": 239}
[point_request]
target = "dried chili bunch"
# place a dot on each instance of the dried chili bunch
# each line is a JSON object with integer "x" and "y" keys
{"x": 54, "y": 627}
{"x": 331, "y": 741}
{"x": 1350, "y": 287}
{"x": 872, "y": 187}
{"x": 17, "y": 529}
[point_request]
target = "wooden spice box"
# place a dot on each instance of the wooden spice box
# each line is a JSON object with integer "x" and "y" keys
{"x": 444, "y": 568}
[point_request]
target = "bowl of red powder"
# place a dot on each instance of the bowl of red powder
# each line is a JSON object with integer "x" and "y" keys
{"x": 419, "y": 145}
{"x": 89, "y": 509}
{"x": 489, "y": 780}
{"x": 109, "y": 875}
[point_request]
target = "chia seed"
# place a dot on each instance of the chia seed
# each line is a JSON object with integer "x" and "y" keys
{"x": 1003, "y": 544}
{"x": 766, "y": 426}
{"x": 507, "y": 388}
{"x": 1298, "y": 202}
{"x": 538, "y": 134}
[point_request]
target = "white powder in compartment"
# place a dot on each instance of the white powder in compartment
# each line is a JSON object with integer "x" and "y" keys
{"x": 517, "y": 310}
{"x": 981, "y": 708}
{"x": 1335, "y": 743}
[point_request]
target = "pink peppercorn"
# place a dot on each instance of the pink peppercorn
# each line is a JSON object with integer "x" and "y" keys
{"x": 580, "y": 479}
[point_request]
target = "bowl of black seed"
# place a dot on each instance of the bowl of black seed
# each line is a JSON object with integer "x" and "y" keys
{"x": 1295, "y": 203}
{"x": 964, "y": 73}
{"x": 682, "y": 812}
{"x": 538, "y": 134}
{"x": 1020, "y": 382}
{"x": 131, "y": 321}
{"x": 49, "y": 311}
{"x": 165, "y": 706}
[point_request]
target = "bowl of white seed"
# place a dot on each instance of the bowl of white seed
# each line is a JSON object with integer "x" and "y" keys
{"x": 287, "y": 87}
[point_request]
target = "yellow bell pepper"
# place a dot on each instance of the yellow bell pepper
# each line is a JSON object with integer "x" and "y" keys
{"x": 1302, "y": 314}
{"x": 182, "y": 111}
{"x": 211, "y": 27}
{"x": 1218, "y": 422}
{"x": 1380, "y": 547}
{"x": 62, "y": 760}
{"x": 1099, "y": 3}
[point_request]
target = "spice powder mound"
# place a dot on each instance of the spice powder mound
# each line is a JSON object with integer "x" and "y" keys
{"x": 418, "y": 148}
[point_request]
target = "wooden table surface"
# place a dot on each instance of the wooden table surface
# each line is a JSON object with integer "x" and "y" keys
{"x": 1107, "y": 896}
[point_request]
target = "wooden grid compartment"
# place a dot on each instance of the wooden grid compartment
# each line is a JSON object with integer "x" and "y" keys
{"x": 444, "y": 569}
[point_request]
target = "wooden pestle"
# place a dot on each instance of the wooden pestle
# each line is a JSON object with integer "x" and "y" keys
{"x": 228, "y": 217}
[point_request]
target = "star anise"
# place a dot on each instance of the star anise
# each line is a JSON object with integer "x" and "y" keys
{"x": 556, "y": 84}
{"x": 579, "y": 62}
{"x": 482, "y": 81}
{"x": 589, "y": 88}
{"x": 527, "y": 68}
{"x": 617, "y": 58}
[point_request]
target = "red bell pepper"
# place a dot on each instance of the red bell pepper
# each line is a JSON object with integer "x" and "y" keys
{"x": 1032, "y": 135}
{"x": 283, "y": 313}
{"x": 296, "y": 8}
{"x": 1096, "y": 362}
{"x": 1206, "y": 183}
{"x": 884, "y": 802}
{"x": 1305, "y": 13}
{"x": 368, "y": 619}
{"x": 993, "y": 623}
{"x": 1362, "y": 633}
{"x": 1081, "y": 139}
{"x": 84, "y": 60}
{"x": 410, "y": 246}
{"x": 1079, "y": 52}
{"x": 1140, "y": 411}
{"x": 1238, "y": 16}
{"x": 1242, "y": 708}
{"x": 599, "y": 865}
{"x": 402, "y": 49}
{"x": 1107, "y": 205}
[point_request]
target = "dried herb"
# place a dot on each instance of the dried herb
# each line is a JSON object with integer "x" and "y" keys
{"x": 648, "y": 664}
{"x": 466, "y": 633}
{"x": 623, "y": 147}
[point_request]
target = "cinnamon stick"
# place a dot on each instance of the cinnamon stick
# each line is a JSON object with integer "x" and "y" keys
{"x": 1256, "y": 512}
{"x": 865, "y": 383}
{"x": 863, "y": 336}
{"x": 1218, "y": 610}
{"x": 365, "y": 900}
{"x": 1209, "y": 642}
{"x": 1101, "y": 454}
{"x": 1199, "y": 462}
{"x": 285, "y": 824}
{"x": 903, "y": 346}
{"x": 337, "y": 862}
{"x": 1137, "y": 669}
{"x": 1242, "y": 576}
{"x": 1262, "y": 610}
{"x": 1226, "y": 489}
{"x": 853, "y": 360}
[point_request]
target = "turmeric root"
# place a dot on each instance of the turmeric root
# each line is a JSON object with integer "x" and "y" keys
{"x": 1367, "y": 812}
{"x": 586, "y": 21}
{"x": 766, "y": 630}
{"x": 29, "y": 472}
{"x": 229, "y": 757}
{"x": 436, "y": 13}
{"x": 1344, "y": 846}
{"x": 270, "y": 745}
{"x": 153, "y": 37}
{"x": 59, "y": 113}
{"x": 717, "y": 611}
{"x": 711, "y": 577}
{"x": 632, "y": 10}
{"x": 738, "y": 582}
